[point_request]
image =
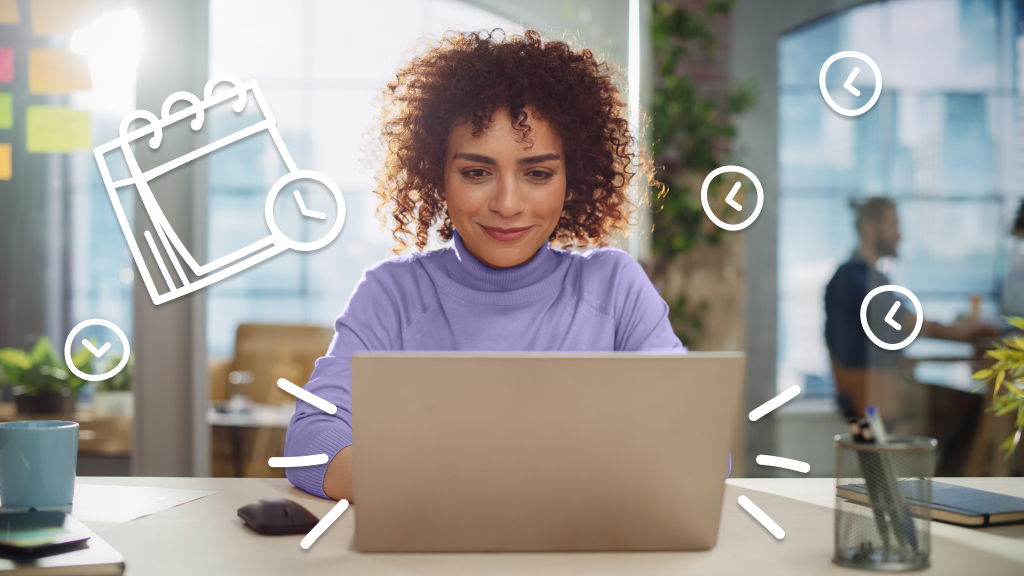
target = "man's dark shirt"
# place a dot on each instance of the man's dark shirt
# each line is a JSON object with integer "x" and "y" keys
{"x": 843, "y": 331}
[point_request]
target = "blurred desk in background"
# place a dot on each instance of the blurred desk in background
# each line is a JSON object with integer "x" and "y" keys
{"x": 241, "y": 442}
{"x": 104, "y": 443}
{"x": 259, "y": 416}
{"x": 948, "y": 364}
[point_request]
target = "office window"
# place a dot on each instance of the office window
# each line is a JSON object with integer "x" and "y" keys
{"x": 101, "y": 270}
{"x": 943, "y": 141}
{"x": 320, "y": 64}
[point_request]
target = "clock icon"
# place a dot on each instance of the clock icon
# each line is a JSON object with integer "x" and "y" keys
{"x": 292, "y": 182}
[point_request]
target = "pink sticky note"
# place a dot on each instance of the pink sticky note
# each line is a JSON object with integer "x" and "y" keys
{"x": 6, "y": 64}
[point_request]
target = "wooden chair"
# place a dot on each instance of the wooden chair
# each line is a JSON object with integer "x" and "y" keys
{"x": 267, "y": 352}
{"x": 272, "y": 351}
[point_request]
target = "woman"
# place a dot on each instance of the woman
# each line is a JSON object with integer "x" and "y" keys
{"x": 502, "y": 145}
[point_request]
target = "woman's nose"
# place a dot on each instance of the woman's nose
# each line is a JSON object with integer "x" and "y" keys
{"x": 508, "y": 199}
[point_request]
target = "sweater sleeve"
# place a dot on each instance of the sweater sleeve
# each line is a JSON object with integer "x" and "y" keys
{"x": 370, "y": 322}
{"x": 641, "y": 314}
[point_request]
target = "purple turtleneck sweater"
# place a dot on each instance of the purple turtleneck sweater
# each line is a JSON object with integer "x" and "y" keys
{"x": 446, "y": 300}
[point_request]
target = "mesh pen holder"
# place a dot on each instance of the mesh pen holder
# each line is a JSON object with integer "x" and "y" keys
{"x": 883, "y": 521}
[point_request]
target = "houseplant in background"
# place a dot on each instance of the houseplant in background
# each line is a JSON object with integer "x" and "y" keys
{"x": 1007, "y": 374}
{"x": 41, "y": 380}
{"x": 113, "y": 397}
{"x": 693, "y": 107}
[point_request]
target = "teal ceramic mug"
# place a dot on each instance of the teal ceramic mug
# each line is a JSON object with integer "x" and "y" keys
{"x": 37, "y": 463}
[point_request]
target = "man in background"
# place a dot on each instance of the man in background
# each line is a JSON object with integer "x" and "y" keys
{"x": 866, "y": 374}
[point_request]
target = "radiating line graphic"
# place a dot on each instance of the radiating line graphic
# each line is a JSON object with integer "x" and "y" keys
{"x": 774, "y": 403}
{"x": 749, "y": 506}
{"x": 306, "y": 396}
{"x": 297, "y": 461}
{"x": 776, "y": 461}
{"x": 324, "y": 524}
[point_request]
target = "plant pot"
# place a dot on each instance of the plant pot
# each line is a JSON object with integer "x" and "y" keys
{"x": 45, "y": 403}
{"x": 113, "y": 403}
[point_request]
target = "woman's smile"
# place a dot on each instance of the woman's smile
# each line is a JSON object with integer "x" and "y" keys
{"x": 506, "y": 234}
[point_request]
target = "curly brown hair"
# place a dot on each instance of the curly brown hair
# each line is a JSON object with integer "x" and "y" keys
{"x": 467, "y": 77}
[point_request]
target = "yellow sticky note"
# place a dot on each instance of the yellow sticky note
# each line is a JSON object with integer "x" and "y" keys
{"x": 57, "y": 71}
{"x": 5, "y": 161}
{"x": 50, "y": 129}
{"x": 6, "y": 110}
{"x": 54, "y": 16}
{"x": 9, "y": 15}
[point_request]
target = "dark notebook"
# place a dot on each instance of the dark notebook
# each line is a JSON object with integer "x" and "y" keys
{"x": 90, "y": 557}
{"x": 953, "y": 504}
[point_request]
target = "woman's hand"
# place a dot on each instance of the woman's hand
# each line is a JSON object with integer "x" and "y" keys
{"x": 338, "y": 479}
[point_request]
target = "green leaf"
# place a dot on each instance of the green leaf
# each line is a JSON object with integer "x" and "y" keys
{"x": 15, "y": 358}
{"x": 1006, "y": 410}
{"x": 43, "y": 353}
{"x": 982, "y": 374}
{"x": 999, "y": 353}
{"x": 12, "y": 363}
{"x": 1010, "y": 445}
{"x": 1016, "y": 321}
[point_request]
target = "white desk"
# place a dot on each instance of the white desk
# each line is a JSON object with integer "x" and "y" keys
{"x": 207, "y": 537}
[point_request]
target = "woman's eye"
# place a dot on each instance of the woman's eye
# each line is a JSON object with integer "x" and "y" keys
{"x": 540, "y": 174}
{"x": 475, "y": 173}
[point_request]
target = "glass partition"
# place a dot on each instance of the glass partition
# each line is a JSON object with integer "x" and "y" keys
{"x": 943, "y": 142}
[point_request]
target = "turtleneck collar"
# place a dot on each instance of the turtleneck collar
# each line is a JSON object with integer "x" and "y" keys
{"x": 466, "y": 270}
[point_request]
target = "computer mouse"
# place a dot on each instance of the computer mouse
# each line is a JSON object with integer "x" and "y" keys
{"x": 274, "y": 516}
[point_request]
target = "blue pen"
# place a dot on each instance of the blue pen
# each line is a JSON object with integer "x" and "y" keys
{"x": 875, "y": 423}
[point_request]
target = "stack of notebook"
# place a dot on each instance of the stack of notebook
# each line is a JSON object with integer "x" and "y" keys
{"x": 53, "y": 544}
{"x": 952, "y": 504}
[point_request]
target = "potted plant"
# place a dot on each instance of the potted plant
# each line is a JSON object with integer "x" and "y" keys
{"x": 1008, "y": 376}
{"x": 42, "y": 382}
{"x": 113, "y": 397}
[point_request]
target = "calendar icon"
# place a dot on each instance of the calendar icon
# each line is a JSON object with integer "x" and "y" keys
{"x": 179, "y": 270}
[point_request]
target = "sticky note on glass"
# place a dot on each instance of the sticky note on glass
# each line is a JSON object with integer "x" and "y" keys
{"x": 9, "y": 12}
{"x": 5, "y": 161}
{"x": 60, "y": 16}
{"x": 6, "y": 111}
{"x": 57, "y": 71}
{"x": 50, "y": 129}
{"x": 6, "y": 64}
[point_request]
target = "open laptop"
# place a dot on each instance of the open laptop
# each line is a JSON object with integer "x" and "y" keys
{"x": 541, "y": 451}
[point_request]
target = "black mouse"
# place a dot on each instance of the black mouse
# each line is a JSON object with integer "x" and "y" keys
{"x": 273, "y": 516}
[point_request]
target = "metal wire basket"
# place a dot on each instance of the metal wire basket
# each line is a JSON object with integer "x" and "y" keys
{"x": 883, "y": 520}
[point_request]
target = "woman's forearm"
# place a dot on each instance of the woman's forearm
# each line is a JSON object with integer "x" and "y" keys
{"x": 338, "y": 479}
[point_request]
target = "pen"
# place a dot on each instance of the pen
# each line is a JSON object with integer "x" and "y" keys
{"x": 899, "y": 510}
{"x": 875, "y": 423}
{"x": 862, "y": 435}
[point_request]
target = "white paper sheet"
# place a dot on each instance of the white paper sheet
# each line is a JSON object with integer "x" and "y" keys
{"x": 102, "y": 503}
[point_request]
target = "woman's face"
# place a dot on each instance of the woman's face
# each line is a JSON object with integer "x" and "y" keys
{"x": 504, "y": 199}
